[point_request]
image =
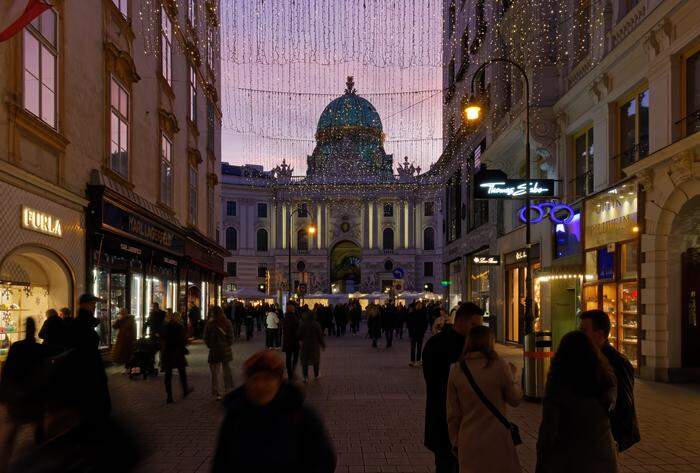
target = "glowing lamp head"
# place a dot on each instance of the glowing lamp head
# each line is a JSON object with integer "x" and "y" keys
{"x": 311, "y": 230}
{"x": 472, "y": 110}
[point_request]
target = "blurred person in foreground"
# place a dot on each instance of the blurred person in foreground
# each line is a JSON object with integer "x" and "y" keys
{"x": 623, "y": 418}
{"x": 575, "y": 434}
{"x": 481, "y": 441}
{"x": 268, "y": 428}
{"x": 441, "y": 351}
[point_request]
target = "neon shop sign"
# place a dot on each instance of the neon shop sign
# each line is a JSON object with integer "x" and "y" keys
{"x": 557, "y": 213}
{"x": 516, "y": 188}
{"x": 486, "y": 260}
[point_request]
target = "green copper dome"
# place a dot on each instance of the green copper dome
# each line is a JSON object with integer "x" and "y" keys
{"x": 349, "y": 110}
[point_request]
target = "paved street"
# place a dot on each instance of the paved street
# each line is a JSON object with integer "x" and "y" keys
{"x": 372, "y": 404}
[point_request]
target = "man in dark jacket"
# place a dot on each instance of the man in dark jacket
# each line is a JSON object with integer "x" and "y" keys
{"x": 155, "y": 321}
{"x": 53, "y": 331}
{"x": 290, "y": 341}
{"x": 441, "y": 351}
{"x": 268, "y": 428}
{"x": 623, "y": 419}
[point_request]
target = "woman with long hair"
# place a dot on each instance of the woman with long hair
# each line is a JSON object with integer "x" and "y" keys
{"x": 575, "y": 433}
{"x": 218, "y": 336}
{"x": 482, "y": 443}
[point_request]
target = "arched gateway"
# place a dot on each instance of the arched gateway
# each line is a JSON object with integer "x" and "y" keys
{"x": 345, "y": 266}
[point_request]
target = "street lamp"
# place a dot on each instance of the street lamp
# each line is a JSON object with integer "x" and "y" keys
{"x": 472, "y": 113}
{"x": 311, "y": 230}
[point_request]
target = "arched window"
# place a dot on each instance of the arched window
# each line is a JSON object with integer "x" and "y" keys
{"x": 231, "y": 239}
{"x": 429, "y": 239}
{"x": 388, "y": 239}
{"x": 302, "y": 240}
{"x": 261, "y": 240}
{"x": 388, "y": 265}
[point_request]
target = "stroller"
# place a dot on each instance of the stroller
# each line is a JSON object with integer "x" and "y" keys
{"x": 143, "y": 359}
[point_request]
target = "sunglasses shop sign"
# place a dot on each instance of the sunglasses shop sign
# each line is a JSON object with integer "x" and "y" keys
{"x": 496, "y": 185}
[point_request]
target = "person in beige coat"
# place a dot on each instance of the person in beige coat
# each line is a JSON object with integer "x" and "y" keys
{"x": 481, "y": 442}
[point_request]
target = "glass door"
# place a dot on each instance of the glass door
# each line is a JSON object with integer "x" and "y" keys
{"x": 136, "y": 296}
{"x": 609, "y": 306}
{"x": 117, "y": 300}
{"x": 628, "y": 321}
{"x": 100, "y": 288}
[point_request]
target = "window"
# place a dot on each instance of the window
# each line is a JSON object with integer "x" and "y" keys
{"x": 302, "y": 240}
{"x": 231, "y": 208}
{"x": 40, "y": 53}
{"x": 453, "y": 205}
{"x": 122, "y": 6}
{"x": 480, "y": 208}
{"x": 303, "y": 211}
{"x": 192, "y": 12}
{"x": 211, "y": 206}
{"x": 301, "y": 266}
{"x": 429, "y": 239}
{"x": 451, "y": 73}
{"x": 261, "y": 240}
{"x": 119, "y": 129}
{"x": 192, "y": 196}
{"x": 582, "y": 27}
{"x": 428, "y": 269}
{"x": 388, "y": 209}
{"x": 231, "y": 238}
{"x": 192, "y": 82}
{"x": 231, "y": 269}
{"x": 166, "y": 48}
{"x": 692, "y": 94}
{"x": 262, "y": 210}
{"x": 429, "y": 209}
{"x": 388, "y": 265}
{"x": 583, "y": 163}
{"x": 211, "y": 127}
{"x": 388, "y": 239}
{"x": 633, "y": 136}
{"x": 166, "y": 171}
{"x": 262, "y": 270}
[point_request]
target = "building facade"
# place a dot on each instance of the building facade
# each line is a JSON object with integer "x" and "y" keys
{"x": 109, "y": 160}
{"x": 621, "y": 115}
{"x": 372, "y": 230}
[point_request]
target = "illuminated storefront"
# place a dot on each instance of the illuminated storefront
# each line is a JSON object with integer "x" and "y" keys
{"x": 515, "y": 290}
{"x": 611, "y": 264}
{"x": 482, "y": 267}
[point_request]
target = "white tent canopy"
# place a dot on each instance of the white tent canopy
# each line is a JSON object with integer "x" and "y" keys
{"x": 249, "y": 293}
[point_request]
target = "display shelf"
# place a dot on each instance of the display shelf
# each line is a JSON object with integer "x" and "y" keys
{"x": 630, "y": 326}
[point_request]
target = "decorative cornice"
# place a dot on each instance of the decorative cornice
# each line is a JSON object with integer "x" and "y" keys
{"x": 213, "y": 179}
{"x": 194, "y": 156}
{"x": 168, "y": 121}
{"x": 600, "y": 87}
{"x": 682, "y": 165}
{"x": 646, "y": 180}
{"x": 121, "y": 63}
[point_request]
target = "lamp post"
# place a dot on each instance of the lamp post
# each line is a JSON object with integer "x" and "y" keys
{"x": 311, "y": 230}
{"x": 472, "y": 113}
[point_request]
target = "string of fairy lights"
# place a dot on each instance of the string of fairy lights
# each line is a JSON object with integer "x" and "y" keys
{"x": 283, "y": 61}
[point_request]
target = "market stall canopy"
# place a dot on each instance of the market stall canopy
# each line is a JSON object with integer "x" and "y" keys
{"x": 249, "y": 293}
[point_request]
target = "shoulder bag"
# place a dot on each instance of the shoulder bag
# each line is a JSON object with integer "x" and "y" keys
{"x": 514, "y": 430}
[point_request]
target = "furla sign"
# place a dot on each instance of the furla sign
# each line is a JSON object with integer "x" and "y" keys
{"x": 41, "y": 222}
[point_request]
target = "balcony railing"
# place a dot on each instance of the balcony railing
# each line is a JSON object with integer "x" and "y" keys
{"x": 688, "y": 125}
{"x": 633, "y": 154}
{"x": 388, "y": 251}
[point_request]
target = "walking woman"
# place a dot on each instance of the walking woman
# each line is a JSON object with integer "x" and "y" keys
{"x": 575, "y": 434}
{"x": 126, "y": 338}
{"x": 218, "y": 337}
{"x": 172, "y": 354}
{"x": 311, "y": 337}
{"x": 417, "y": 325}
{"x": 482, "y": 443}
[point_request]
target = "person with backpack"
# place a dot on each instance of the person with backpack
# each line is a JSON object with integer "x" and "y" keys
{"x": 479, "y": 387}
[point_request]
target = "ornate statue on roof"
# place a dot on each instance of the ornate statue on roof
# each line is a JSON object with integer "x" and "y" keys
{"x": 349, "y": 142}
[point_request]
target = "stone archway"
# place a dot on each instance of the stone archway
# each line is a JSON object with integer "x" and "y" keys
{"x": 345, "y": 260}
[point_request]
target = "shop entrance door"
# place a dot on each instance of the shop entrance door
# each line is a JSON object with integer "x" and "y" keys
{"x": 690, "y": 330}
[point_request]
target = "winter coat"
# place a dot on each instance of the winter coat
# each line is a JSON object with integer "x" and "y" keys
{"x": 54, "y": 332}
{"x": 126, "y": 339}
{"x": 623, "y": 418}
{"x": 290, "y": 328}
{"x": 310, "y": 334}
{"x": 483, "y": 443}
{"x": 283, "y": 436}
{"x": 173, "y": 348}
{"x": 417, "y": 323}
{"x": 575, "y": 434}
{"x": 218, "y": 339}
{"x": 155, "y": 322}
{"x": 23, "y": 381}
{"x": 439, "y": 353}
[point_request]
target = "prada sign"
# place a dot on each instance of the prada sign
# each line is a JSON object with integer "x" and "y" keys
{"x": 488, "y": 260}
{"x": 496, "y": 185}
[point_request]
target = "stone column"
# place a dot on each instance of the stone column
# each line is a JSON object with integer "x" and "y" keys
{"x": 375, "y": 225}
{"x": 411, "y": 223}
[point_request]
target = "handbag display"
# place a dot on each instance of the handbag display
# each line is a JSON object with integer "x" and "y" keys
{"x": 514, "y": 430}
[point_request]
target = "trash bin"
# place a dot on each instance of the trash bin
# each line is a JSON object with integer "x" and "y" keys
{"x": 537, "y": 356}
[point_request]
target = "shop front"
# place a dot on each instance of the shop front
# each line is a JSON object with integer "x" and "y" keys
{"x": 201, "y": 278}
{"x": 611, "y": 241}
{"x": 482, "y": 266}
{"x": 515, "y": 264}
{"x": 41, "y": 259}
{"x": 455, "y": 282}
{"x": 135, "y": 260}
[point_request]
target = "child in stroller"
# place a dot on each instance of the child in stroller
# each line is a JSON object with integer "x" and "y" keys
{"x": 143, "y": 359}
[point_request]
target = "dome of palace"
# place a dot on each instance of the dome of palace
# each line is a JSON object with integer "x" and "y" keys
{"x": 349, "y": 110}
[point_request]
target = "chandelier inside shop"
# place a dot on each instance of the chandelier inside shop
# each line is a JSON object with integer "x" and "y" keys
{"x": 283, "y": 61}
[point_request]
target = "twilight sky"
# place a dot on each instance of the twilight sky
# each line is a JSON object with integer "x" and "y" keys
{"x": 284, "y": 60}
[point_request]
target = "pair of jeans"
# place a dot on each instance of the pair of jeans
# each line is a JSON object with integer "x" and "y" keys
{"x": 389, "y": 334}
{"x": 292, "y": 358}
{"x": 271, "y": 337}
{"x": 305, "y": 370}
{"x": 169, "y": 380}
{"x": 416, "y": 349}
{"x": 221, "y": 378}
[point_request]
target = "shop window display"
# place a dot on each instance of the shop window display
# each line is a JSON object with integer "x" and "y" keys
{"x": 17, "y": 302}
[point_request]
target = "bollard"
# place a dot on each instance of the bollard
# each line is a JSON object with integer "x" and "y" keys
{"x": 536, "y": 356}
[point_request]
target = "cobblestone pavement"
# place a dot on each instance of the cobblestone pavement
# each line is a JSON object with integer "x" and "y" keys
{"x": 372, "y": 403}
